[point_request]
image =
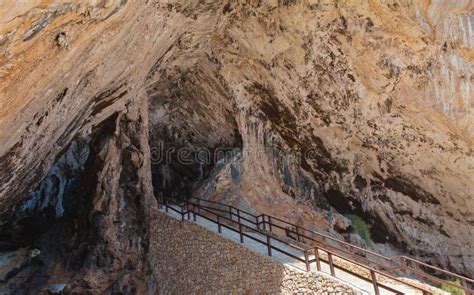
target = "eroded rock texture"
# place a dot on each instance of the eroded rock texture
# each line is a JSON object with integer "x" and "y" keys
{"x": 364, "y": 107}
{"x": 87, "y": 220}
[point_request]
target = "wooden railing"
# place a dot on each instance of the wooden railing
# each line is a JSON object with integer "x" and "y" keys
{"x": 245, "y": 224}
{"x": 404, "y": 264}
{"x": 401, "y": 264}
{"x": 394, "y": 265}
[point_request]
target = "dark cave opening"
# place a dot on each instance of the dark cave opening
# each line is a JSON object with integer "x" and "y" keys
{"x": 345, "y": 205}
{"x": 192, "y": 127}
{"x": 48, "y": 216}
{"x": 55, "y": 200}
{"x": 53, "y": 226}
{"x": 183, "y": 169}
{"x": 41, "y": 229}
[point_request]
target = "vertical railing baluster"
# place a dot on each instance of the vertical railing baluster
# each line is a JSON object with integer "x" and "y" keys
{"x": 241, "y": 234}
{"x": 464, "y": 283}
{"x": 374, "y": 282}
{"x": 269, "y": 244}
{"x": 331, "y": 264}
{"x": 270, "y": 223}
{"x": 407, "y": 265}
{"x": 297, "y": 234}
{"x": 306, "y": 259}
{"x": 218, "y": 224}
{"x": 318, "y": 261}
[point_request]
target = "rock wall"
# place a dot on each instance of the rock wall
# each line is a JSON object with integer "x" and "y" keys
{"x": 83, "y": 237}
{"x": 368, "y": 105}
{"x": 188, "y": 259}
{"x": 335, "y": 107}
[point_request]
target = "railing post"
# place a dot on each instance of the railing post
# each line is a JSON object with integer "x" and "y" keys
{"x": 406, "y": 265}
{"x": 241, "y": 234}
{"x": 374, "y": 282}
{"x": 297, "y": 234}
{"x": 306, "y": 259}
{"x": 218, "y": 224}
{"x": 269, "y": 244}
{"x": 263, "y": 221}
{"x": 270, "y": 223}
{"x": 189, "y": 211}
{"x": 194, "y": 212}
{"x": 331, "y": 264}
{"x": 316, "y": 256}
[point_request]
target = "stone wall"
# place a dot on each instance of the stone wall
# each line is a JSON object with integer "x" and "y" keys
{"x": 185, "y": 258}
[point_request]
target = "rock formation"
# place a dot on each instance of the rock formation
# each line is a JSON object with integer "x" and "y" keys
{"x": 297, "y": 108}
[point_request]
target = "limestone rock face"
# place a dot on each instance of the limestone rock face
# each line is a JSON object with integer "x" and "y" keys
{"x": 300, "y": 108}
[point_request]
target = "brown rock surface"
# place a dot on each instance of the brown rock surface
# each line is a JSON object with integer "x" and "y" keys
{"x": 363, "y": 106}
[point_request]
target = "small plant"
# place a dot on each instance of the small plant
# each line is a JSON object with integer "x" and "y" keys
{"x": 121, "y": 273}
{"x": 451, "y": 289}
{"x": 149, "y": 270}
{"x": 361, "y": 228}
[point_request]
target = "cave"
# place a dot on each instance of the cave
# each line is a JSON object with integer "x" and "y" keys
{"x": 184, "y": 141}
{"x": 303, "y": 111}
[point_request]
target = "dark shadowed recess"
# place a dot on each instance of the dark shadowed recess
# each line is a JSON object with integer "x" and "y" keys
{"x": 191, "y": 120}
{"x": 346, "y": 205}
{"x": 179, "y": 174}
{"x": 52, "y": 219}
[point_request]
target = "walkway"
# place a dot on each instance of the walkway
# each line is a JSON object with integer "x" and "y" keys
{"x": 289, "y": 261}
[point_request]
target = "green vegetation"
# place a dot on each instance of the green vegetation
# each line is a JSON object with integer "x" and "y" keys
{"x": 149, "y": 270}
{"x": 361, "y": 228}
{"x": 121, "y": 273}
{"x": 453, "y": 290}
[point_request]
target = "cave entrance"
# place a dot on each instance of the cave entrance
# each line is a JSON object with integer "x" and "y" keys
{"x": 191, "y": 128}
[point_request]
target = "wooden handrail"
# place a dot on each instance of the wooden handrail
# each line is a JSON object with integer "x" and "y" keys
{"x": 330, "y": 254}
{"x": 271, "y": 221}
{"x": 253, "y": 229}
{"x": 320, "y": 244}
{"x": 228, "y": 206}
{"x": 268, "y": 243}
{"x": 403, "y": 259}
